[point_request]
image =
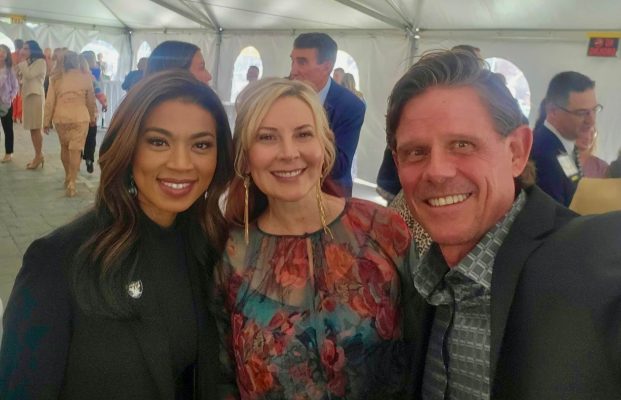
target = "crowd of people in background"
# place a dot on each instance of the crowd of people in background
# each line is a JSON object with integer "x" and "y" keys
{"x": 238, "y": 265}
{"x": 45, "y": 97}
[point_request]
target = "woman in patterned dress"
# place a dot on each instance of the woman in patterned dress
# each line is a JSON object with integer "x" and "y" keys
{"x": 309, "y": 288}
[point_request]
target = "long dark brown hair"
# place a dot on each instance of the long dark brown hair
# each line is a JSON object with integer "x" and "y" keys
{"x": 105, "y": 263}
{"x": 35, "y": 51}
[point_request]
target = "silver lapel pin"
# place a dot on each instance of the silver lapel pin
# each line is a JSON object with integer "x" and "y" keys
{"x": 134, "y": 289}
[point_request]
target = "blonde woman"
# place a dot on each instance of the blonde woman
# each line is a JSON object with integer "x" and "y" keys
{"x": 350, "y": 83}
{"x": 70, "y": 106}
{"x": 32, "y": 71}
{"x": 310, "y": 282}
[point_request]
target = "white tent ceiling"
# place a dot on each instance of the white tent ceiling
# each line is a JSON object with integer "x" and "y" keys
{"x": 325, "y": 14}
{"x": 541, "y": 38}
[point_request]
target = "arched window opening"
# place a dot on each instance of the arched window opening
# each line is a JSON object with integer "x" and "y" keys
{"x": 143, "y": 51}
{"x": 248, "y": 58}
{"x": 516, "y": 81}
{"x": 107, "y": 57}
{"x": 345, "y": 61}
{"x": 5, "y": 40}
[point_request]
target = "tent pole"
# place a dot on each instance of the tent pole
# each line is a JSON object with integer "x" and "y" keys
{"x": 216, "y": 73}
{"x": 131, "y": 49}
{"x": 413, "y": 48}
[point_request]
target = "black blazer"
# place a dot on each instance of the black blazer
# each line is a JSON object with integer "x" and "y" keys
{"x": 52, "y": 350}
{"x": 550, "y": 176}
{"x": 556, "y": 307}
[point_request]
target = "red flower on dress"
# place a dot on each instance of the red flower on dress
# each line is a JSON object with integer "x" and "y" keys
{"x": 333, "y": 360}
{"x": 363, "y": 303}
{"x": 339, "y": 261}
{"x": 332, "y": 356}
{"x": 290, "y": 263}
{"x": 282, "y": 328}
{"x": 392, "y": 234}
{"x": 328, "y": 304}
{"x": 386, "y": 270}
{"x": 260, "y": 378}
{"x": 387, "y": 321}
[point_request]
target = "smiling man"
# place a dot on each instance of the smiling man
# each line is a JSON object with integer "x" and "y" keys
{"x": 312, "y": 59}
{"x": 570, "y": 106}
{"x": 515, "y": 298}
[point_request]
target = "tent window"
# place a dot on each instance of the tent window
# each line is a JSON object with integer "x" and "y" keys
{"x": 143, "y": 51}
{"x": 5, "y": 40}
{"x": 249, "y": 56}
{"x": 110, "y": 57}
{"x": 516, "y": 81}
{"x": 346, "y": 61}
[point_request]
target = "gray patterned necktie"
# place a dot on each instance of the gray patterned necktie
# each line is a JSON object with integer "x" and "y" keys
{"x": 578, "y": 163}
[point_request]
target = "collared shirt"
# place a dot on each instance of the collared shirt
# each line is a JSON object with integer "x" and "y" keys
{"x": 323, "y": 93}
{"x": 567, "y": 144}
{"x": 457, "y": 365}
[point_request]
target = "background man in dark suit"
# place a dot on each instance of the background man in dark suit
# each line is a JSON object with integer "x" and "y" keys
{"x": 312, "y": 59}
{"x": 133, "y": 77}
{"x": 570, "y": 107}
{"x": 518, "y": 298}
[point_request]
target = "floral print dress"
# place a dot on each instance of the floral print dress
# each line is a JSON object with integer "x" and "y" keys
{"x": 316, "y": 317}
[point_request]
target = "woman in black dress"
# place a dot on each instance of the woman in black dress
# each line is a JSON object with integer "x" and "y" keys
{"x": 112, "y": 305}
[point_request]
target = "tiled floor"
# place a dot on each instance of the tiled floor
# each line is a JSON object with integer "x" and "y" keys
{"x": 33, "y": 203}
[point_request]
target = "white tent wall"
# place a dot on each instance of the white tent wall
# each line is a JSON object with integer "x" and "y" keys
{"x": 541, "y": 55}
{"x": 381, "y": 58}
{"x": 73, "y": 37}
{"x": 381, "y": 55}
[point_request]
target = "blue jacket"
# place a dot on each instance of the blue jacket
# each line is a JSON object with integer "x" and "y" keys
{"x": 345, "y": 113}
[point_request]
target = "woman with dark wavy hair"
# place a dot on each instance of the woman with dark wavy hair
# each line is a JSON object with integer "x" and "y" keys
{"x": 173, "y": 54}
{"x": 112, "y": 305}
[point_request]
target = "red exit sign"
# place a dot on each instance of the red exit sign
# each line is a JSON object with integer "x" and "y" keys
{"x": 603, "y": 47}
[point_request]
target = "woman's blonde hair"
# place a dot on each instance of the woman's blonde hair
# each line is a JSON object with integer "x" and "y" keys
{"x": 58, "y": 56}
{"x": 252, "y": 105}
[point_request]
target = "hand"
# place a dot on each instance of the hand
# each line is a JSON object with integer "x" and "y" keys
{"x": 92, "y": 123}
{"x": 46, "y": 130}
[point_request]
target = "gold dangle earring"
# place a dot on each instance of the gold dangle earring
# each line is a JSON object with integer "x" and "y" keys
{"x": 322, "y": 211}
{"x": 246, "y": 195}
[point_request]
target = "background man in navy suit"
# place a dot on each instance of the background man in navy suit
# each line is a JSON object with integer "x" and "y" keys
{"x": 312, "y": 59}
{"x": 569, "y": 108}
{"x": 518, "y": 297}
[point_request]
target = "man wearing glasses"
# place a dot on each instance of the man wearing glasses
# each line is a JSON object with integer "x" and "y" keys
{"x": 570, "y": 108}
